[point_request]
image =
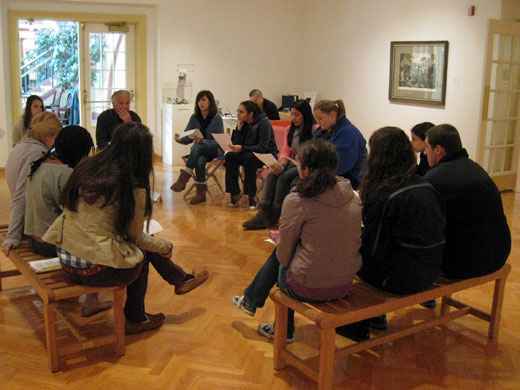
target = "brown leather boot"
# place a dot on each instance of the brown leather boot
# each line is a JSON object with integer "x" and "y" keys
{"x": 181, "y": 182}
{"x": 200, "y": 196}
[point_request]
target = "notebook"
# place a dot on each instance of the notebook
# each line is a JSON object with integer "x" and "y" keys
{"x": 45, "y": 265}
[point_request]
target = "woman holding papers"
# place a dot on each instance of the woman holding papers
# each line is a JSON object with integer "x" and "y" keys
{"x": 317, "y": 255}
{"x": 283, "y": 173}
{"x": 99, "y": 236}
{"x": 204, "y": 122}
{"x": 253, "y": 134}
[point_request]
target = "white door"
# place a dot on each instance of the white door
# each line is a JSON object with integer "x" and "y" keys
{"x": 108, "y": 65}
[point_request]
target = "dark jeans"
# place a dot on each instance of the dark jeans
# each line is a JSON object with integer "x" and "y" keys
{"x": 277, "y": 187}
{"x": 250, "y": 164}
{"x": 200, "y": 154}
{"x": 258, "y": 291}
{"x": 136, "y": 281}
{"x": 43, "y": 248}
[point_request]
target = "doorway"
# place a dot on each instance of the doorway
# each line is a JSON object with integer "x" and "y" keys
{"x": 76, "y": 61}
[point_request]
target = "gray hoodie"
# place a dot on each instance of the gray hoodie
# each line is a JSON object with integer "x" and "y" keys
{"x": 16, "y": 172}
{"x": 320, "y": 239}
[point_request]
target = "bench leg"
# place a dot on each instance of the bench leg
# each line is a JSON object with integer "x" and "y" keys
{"x": 280, "y": 335}
{"x": 327, "y": 359}
{"x": 496, "y": 310}
{"x": 49, "y": 311}
{"x": 119, "y": 321}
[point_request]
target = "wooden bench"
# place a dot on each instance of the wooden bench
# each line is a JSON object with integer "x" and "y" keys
{"x": 367, "y": 302}
{"x": 55, "y": 286}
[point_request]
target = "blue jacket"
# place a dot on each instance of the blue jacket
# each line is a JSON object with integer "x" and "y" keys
{"x": 216, "y": 126}
{"x": 351, "y": 148}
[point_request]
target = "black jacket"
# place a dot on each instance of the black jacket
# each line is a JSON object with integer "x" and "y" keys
{"x": 270, "y": 110}
{"x": 403, "y": 238}
{"x": 257, "y": 137}
{"x": 478, "y": 240}
{"x": 107, "y": 121}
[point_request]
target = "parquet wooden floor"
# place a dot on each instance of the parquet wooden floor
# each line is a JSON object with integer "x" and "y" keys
{"x": 208, "y": 344}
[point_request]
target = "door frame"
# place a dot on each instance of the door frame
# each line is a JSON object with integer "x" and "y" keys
{"x": 141, "y": 62}
{"x": 510, "y": 28}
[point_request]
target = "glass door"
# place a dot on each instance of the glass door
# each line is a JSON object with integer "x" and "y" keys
{"x": 499, "y": 136}
{"x": 49, "y": 66}
{"x": 108, "y": 66}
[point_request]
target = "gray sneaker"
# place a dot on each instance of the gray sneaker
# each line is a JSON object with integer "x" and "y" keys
{"x": 241, "y": 302}
{"x": 266, "y": 329}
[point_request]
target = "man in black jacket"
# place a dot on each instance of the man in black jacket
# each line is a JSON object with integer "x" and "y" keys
{"x": 109, "y": 119}
{"x": 265, "y": 105}
{"x": 478, "y": 240}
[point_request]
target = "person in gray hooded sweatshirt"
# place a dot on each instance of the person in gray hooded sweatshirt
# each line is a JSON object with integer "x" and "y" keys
{"x": 320, "y": 236}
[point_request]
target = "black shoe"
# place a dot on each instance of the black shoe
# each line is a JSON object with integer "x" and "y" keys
{"x": 255, "y": 223}
{"x": 378, "y": 323}
{"x": 431, "y": 304}
{"x": 252, "y": 203}
{"x": 358, "y": 331}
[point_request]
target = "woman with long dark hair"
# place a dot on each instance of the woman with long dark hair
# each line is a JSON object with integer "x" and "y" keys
{"x": 207, "y": 121}
{"x": 99, "y": 236}
{"x": 403, "y": 234}
{"x": 33, "y": 106}
{"x": 320, "y": 228}
{"x": 278, "y": 183}
{"x": 253, "y": 134}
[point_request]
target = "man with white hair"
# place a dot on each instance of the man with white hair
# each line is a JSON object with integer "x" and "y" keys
{"x": 109, "y": 119}
{"x": 267, "y": 106}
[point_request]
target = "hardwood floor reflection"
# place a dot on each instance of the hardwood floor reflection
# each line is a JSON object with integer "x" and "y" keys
{"x": 207, "y": 344}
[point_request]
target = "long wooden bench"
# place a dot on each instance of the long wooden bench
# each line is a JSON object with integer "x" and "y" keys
{"x": 367, "y": 302}
{"x": 55, "y": 286}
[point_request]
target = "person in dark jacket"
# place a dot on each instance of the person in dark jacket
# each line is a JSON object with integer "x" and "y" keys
{"x": 207, "y": 120}
{"x": 478, "y": 239}
{"x": 267, "y": 106}
{"x": 109, "y": 119}
{"x": 403, "y": 239}
{"x": 278, "y": 183}
{"x": 418, "y": 133}
{"x": 349, "y": 141}
{"x": 253, "y": 134}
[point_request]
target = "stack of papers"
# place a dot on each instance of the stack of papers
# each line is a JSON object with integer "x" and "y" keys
{"x": 45, "y": 265}
{"x": 223, "y": 140}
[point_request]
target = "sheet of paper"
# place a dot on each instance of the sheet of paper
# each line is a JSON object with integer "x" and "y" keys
{"x": 187, "y": 133}
{"x": 266, "y": 158}
{"x": 223, "y": 140}
{"x": 45, "y": 265}
{"x": 155, "y": 227}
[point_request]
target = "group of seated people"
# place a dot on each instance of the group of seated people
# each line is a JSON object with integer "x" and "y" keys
{"x": 408, "y": 224}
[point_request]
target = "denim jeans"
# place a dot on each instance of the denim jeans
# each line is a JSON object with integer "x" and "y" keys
{"x": 200, "y": 154}
{"x": 267, "y": 276}
{"x": 277, "y": 187}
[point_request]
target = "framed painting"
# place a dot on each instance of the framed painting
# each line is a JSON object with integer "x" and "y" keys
{"x": 418, "y": 72}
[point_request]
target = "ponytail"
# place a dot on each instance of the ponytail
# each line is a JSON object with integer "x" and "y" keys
{"x": 320, "y": 158}
{"x": 37, "y": 164}
{"x": 328, "y": 106}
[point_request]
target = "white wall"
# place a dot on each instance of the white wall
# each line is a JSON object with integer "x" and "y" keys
{"x": 350, "y": 60}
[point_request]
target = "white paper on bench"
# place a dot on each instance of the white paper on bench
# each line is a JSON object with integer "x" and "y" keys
{"x": 45, "y": 265}
{"x": 223, "y": 140}
{"x": 266, "y": 158}
{"x": 155, "y": 227}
